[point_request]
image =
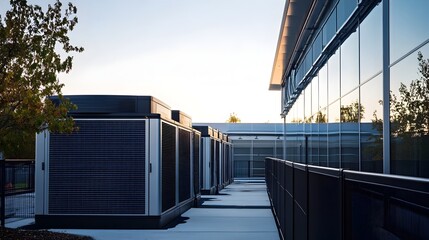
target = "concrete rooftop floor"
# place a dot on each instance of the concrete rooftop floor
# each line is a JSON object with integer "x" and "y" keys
{"x": 240, "y": 211}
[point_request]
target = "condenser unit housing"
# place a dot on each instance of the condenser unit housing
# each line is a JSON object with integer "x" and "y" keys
{"x": 129, "y": 165}
{"x": 185, "y": 120}
{"x": 215, "y": 160}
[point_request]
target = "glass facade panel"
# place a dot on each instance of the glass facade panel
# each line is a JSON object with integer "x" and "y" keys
{"x": 317, "y": 46}
{"x": 330, "y": 28}
{"x": 408, "y": 26}
{"x": 323, "y": 87}
{"x": 371, "y": 49}
{"x": 344, "y": 10}
{"x": 334, "y": 153}
{"x": 409, "y": 115}
{"x": 314, "y": 98}
{"x": 350, "y": 117}
{"x": 350, "y": 64}
{"x": 308, "y": 103}
{"x": 323, "y": 142}
{"x": 372, "y": 125}
{"x": 300, "y": 109}
{"x": 308, "y": 60}
{"x": 334, "y": 78}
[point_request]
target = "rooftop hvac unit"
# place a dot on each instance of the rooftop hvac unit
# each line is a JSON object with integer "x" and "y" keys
{"x": 207, "y": 159}
{"x": 128, "y": 166}
{"x": 215, "y": 159}
{"x": 197, "y": 167}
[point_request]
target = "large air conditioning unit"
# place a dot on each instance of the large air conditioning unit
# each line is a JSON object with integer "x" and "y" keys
{"x": 129, "y": 165}
{"x": 207, "y": 167}
{"x": 192, "y": 177}
{"x": 226, "y": 161}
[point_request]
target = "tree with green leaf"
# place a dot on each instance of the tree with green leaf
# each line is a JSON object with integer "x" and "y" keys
{"x": 34, "y": 49}
{"x": 409, "y": 113}
{"x": 321, "y": 118}
{"x": 352, "y": 112}
{"x": 233, "y": 118}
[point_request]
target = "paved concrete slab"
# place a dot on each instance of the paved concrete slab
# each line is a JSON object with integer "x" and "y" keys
{"x": 240, "y": 211}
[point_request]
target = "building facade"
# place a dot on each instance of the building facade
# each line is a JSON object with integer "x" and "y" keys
{"x": 251, "y": 144}
{"x": 354, "y": 78}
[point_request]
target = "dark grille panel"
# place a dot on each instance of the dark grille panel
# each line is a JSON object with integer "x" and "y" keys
{"x": 197, "y": 186}
{"x": 184, "y": 165}
{"x": 168, "y": 166}
{"x": 212, "y": 164}
{"x": 217, "y": 165}
{"x": 98, "y": 170}
{"x": 201, "y": 162}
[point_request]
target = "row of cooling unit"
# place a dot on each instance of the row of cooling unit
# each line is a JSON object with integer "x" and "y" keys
{"x": 132, "y": 163}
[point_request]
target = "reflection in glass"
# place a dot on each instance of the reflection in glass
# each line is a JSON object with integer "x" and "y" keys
{"x": 330, "y": 28}
{"x": 344, "y": 10}
{"x": 314, "y": 97}
{"x": 349, "y": 64}
{"x": 408, "y": 26}
{"x": 371, "y": 49}
{"x": 334, "y": 78}
{"x": 323, "y": 87}
{"x": 334, "y": 135}
{"x": 317, "y": 46}
{"x": 351, "y": 113}
{"x": 409, "y": 115}
{"x": 323, "y": 142}
{"x": 299, "y": 108}
{"x": 372, "y": 126}
{"x": 308, "y": 104}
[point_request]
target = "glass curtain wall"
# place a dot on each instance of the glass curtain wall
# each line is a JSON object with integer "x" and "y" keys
{"x": 409, "y": 87}
{"x": 341, "y": 110}
{"x": 341, "y": 114}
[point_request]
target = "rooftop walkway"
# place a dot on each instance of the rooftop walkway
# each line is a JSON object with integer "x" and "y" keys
{"x": 240, "y": 211}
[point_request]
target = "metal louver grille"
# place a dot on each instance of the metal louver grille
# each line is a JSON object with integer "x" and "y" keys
{"x": 217, "y": 165}
{"x": 168, "y": 166}
{"x": 212, "y": 162}
{"x": 99, "y": 169}
{"x": 202, "y": 146}
{"x": 196, "y": 160}
{"x": 184, "y": 165}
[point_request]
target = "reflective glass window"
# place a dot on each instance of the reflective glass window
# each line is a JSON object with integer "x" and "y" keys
{"x": 334, "y": 134}
{"x": 371, "y": 49}
{"x": 317, "y": 46}
{"x": 314, "y": 97}
{"x": 409, "y": 115}
{"x": 344, "y": 10}
{"x": 372, "y": 125}
{"x": 323, "y": 87}
{"x": 323, "y": 138}
{"x": 408, "y": 26}
{"x": 350, "y": 113}
{"x": 330, "y": 28}
{"x": 308, "y": 103}
{"x": 308, "y": 60}
{"x": 299, "y": 118}
{"x": 350, "y": 64}
{"x": 334, "y": 78}
{"x": 314, "y": 137}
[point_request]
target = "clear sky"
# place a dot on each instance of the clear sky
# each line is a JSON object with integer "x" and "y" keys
{"x": 208, "y": 58}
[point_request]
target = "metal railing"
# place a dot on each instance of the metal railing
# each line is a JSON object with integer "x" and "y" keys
{"x": 17, "y": 189}
{"x": 311, "y": 202}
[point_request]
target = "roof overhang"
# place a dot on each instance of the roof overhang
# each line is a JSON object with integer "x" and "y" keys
{"x": 294, "y": 18}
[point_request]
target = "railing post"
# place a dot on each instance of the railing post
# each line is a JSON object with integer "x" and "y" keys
{"x": 2, "y": 189}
